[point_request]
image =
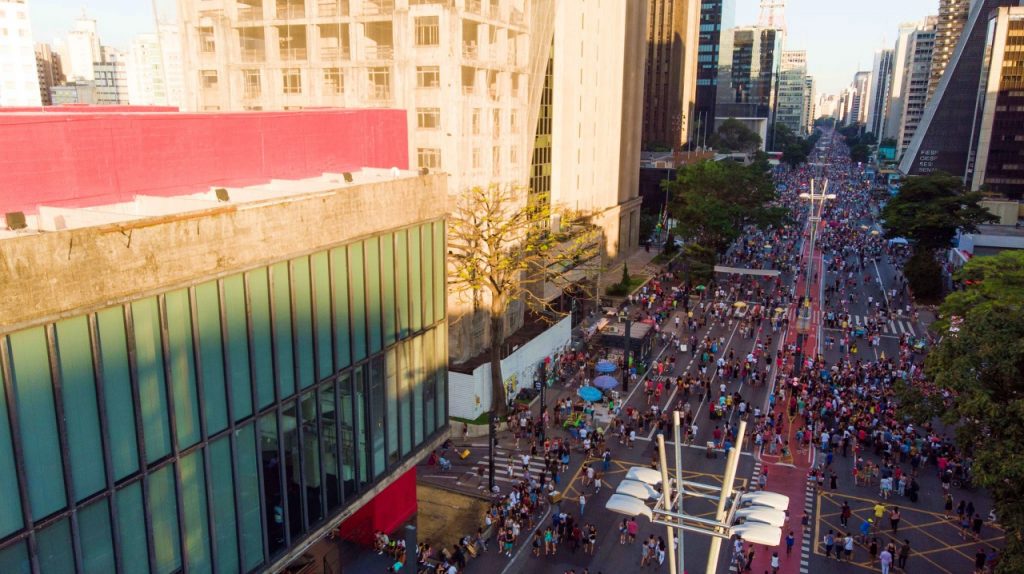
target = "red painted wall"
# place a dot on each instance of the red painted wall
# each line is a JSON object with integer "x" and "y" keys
{"x": 386, "y": 512}
{"x": 88, "y": 158}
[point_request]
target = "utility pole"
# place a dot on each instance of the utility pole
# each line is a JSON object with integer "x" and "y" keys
{"x": 731, "y": 462}
{"x": 626, "y": 354}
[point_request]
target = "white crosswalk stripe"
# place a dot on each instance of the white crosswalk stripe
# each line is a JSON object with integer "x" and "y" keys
{"x": 890, "y": 327}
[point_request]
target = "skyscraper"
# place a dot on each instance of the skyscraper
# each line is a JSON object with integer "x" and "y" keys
{"x": 896, "y": 86}
{"x": 878, "y": 90}
{"x": 859, "y": 99}
{"x": 810, "y": 111}
{"x": 83, "y": 49}
{"x": 715, "y": 16}
{"x": 944, "y": 138}
{"x": 748, "y": 68}
{"x": 154, "y": 68}
{"x": 19, "y": 77}
{"x": 916, "y": 75}
{"x": 792, "y": 108}
{"x": 49, "y": 70}
{"x": 671, "y": 72}
{"x": 951, "y": 22}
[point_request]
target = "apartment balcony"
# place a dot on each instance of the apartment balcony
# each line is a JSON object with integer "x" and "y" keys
{"x": 253, "y": 55}
{"x": 334, "y": 53}
{"x": 378, "y": 7}
{"x": 475, "y": 7}
{"x": 470, "y": 51}
{"x": 379, "y": 52}
{"x": 468, "y": 90}
{"x": 250, "y": 13}
{"x": 332, "y": 8}
{"x": 291, "y": 11}
{"x": 378, "y": 93}
{"x": 293, "y": 54}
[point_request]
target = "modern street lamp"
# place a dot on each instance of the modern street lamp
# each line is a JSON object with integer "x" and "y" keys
{"x": 817, "y": 201}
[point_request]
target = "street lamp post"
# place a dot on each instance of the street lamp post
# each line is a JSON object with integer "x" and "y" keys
{"x": 817, "y": 202}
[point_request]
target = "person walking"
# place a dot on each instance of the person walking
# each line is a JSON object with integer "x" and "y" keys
{"x": 790, "y": 540}
{"x": 845, "y": 514}
{"x": 583, "y": 503}
{"x": 901, "y": 561}
{"x": 894, "y": 519}
{"x": 885, "y": 558}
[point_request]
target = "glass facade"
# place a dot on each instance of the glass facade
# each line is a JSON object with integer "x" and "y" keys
{"x": 210, "y": 428}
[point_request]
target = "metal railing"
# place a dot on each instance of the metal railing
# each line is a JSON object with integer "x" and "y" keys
{"x": 291, "y": 54}
{"x": 379, "y": 52}
{"x": 378, "y": 7}
{"x": 334, "y": 53}
{"x": 253, "y": 54}
{"x": 249, "y": 13}
{"x": 290, "y": 11}
{"x": 470, "y": 51}
{"x": 377, "y": 93}
{"x": 335, "y": 8}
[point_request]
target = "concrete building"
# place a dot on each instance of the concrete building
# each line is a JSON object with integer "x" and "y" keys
{"x": 944, "y": 138}
{"x": 597, "y": 114}
{"x": 670, "y": 76}
{"x": 715, "y": 16}
{"x": 916, "y": 76}
{"x": 950, "y": 25}
{"x": 894, "y": 108}
{"x": 860, "y": 98}
{"x": 195, "y": 382}
{"x": 810, "y": 111}
{"x": 155, "y": 75}
{"x": 19, "y": 77}
{"x": 49, "y": 70}
{"x": 75, "y": 92}
{"x": 998, "y": 153}
{"x": 879, "y": 90}
{"x": 111, "y": 82}
{"x": 82, "y": 47}
{"x": 826, "y": 105}
{"x": 748, "y": 70}
{"x": 791, "y": 110}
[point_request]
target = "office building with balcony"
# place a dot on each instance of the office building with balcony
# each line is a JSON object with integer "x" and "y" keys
{"x": 225, "y": 337}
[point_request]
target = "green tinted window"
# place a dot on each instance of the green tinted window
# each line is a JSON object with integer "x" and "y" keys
{"x": 303, "y": 321}
{"x": 78, "y": 384}
{"x": 193, "y": 505}
{"x": 387, "y": 276}
{"x": 342, "y": 331}
{"x": 391, "y": 396}
{"x": 405, "y": 396}
{"x": 149, "y": 363}
{"x": 415, "y": 280}
{"x": 346, "y": 428}
{"x": 441, "y": 374}
{"x": 96, "y": 538}
{"x": 427, "y": 252}
{"x": 357, "y": 290}
{"x": 440, "y": 289}
{"x": 322, "y": 312}
{"x": 117, "y": 391}
{"x": 10, "y": 510}
{"x": 14, "y": 559}
{"x": 54, "y": 544}
{"x": 262, "y": 356}
{"x": 34, "y": 401}
{"x": 182, "y": 367}
{"x": 362, "y": 430}
{"x": 249, "y": 497}
{"x": 416, "y": 383}
{"x": 283, "y": 329}
{"x": 237, "y": 346}
{"x": 402, "y": 281}
{"x": 211, "y": 355}
{"x": 373, "y": 305}
{"x": 163, "y": 510}
{"x": 131, "y": 524}
{"x": 222, "y": 484}
{"x": 375, "y": 383}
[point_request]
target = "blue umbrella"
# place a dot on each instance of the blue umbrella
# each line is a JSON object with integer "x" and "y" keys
{"x": 604, "y": 366}
{"x": 606, "y": 382}
{"x": 589, "y": 394}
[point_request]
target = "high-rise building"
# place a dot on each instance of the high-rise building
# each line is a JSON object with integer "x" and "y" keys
{"x": 748, "y": 69}
{"x": 19, "y": 77}
{"x": 111, "y": 81}
{"x": 860, "y": 98}
{"x": 83, "y": 50}
{"x": 879, "y": 90}
{"x": 827, "y": 105}
{"x": 916, "y": 76}
{"x": 597, "y": 114}
{"x": 896, "y": 85}
{"x": 791, "y": 110}
{"x": 844, "y": 106}
{"x": 944, "y": 138}
{"x": 950, "y": 25}
{"x": 154, "y": 68}
{"x": 810, "y": 112}
{"x": 997, "y": 154}
{"x": 227, "y": 408}
{"x": 670, "y": 77}
{"x": 49, "y": 70}
{"x": 715, "y": 16}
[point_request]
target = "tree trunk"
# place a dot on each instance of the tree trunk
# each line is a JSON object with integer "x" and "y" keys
{"x": 499, "y": 405}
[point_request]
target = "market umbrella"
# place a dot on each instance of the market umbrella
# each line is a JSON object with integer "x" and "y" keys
{"x": 739, "y": 304}
{"x": 874, "y": 232}
{"x": 589, "y": 394}
{"x": 700, "y": 287}
{"x": 863, "y": 226}
{"x": 604, "y": 366}
{"x": 606, "y": 382}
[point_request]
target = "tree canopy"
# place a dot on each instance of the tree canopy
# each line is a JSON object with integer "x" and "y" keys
{"x": 930, "y": 210}
{"x": 734, "y": 136}
{"x": 795, "y": 149}
{"x": 980, "y": 363}
{"x": 714, "y": 200}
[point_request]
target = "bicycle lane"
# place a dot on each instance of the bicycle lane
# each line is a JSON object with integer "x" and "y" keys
{"x": 789, "y": 475}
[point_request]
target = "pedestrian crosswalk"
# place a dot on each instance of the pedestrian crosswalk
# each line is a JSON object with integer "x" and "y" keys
{"x": 501, "y": 467}
{"x": 895, "y": 327}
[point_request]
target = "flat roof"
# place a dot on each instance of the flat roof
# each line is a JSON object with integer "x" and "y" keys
{"x": 58, "y": 218}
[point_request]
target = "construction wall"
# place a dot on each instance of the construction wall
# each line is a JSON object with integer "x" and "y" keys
{"x": 85, "y": 158}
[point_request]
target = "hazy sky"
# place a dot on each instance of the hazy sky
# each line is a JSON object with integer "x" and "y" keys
{"x": 840, "y": 36}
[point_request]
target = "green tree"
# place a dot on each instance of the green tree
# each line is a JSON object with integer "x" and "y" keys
{"x": 860, "y": 153}
{"x": 981, "y": 363}
{"x": 734, "y": 136}
{"x": 714, "y": 200}
{"x": 930, "y": 210}
{"x": 794, "y": 154}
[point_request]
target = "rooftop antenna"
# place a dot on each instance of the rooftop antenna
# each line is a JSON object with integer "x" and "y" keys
{"x": 773, "y": 14}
